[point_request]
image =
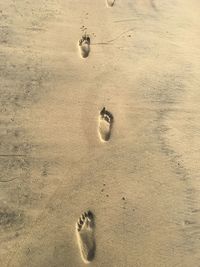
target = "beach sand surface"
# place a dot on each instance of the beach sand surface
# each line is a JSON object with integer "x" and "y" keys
{"x": 141, "y": 62}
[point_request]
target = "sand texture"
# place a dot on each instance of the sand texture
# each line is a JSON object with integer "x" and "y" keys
{"x": 100, "y": 133}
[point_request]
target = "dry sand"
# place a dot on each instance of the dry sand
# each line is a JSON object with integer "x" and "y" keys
{"x": 142, "y": 184}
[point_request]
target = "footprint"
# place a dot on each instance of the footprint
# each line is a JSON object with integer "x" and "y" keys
{"x": 84, "y": 46}
{"x": 110, "y": 3}
{"x": 85, "y": 236}
{"x": 105, "y": 124}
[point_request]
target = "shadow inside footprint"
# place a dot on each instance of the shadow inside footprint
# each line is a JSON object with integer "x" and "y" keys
{"x": 110, "y": 3}
{"x": 84, "y": 46}
{"x": 105, "y": 124}
{"x": 85, "y": 236}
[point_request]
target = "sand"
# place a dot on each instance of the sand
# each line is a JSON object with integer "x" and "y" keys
{"x": 60, "y": 158}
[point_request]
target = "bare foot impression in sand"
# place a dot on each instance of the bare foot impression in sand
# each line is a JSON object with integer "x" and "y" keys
{"x": 84, "y": 46}
{"x": 105, "y": 124}
{"x": 110, "y": 3}
{"x": 85, "y": 236}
